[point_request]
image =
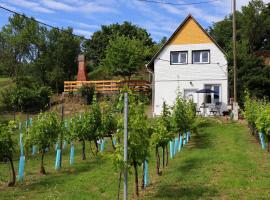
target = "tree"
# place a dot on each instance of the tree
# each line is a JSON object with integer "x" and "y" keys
{"x": 47, "y": 56}
{"x": 7, "y": 146}
{"x": 44, "y": 133}
{"x": 124, "y": 56}
{"x": 95, "y": 48}
{"x": 253, "y": 30}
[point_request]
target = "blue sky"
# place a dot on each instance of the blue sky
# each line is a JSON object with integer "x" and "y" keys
{"x": 86, "y": 16}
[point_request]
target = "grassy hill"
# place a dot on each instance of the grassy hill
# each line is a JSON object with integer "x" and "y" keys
{"x": 223, "y": 161}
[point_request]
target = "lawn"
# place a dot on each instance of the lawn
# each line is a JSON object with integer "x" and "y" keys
{"x": 4, "y": 82}
{"x": 223, "y": 161}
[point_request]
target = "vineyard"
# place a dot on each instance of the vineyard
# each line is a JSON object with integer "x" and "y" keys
{"x": 257, "y": 114}
{"x": 49, "y": 141}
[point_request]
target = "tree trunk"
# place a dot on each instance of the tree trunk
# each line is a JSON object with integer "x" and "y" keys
{"x": 167, "y": 155}
{"x": 136, "y": 178}
{"x": 112, "y": 143}
{"x": 42, "y": 169}
{"x": 268, "y": 143}
{"x": 12, "y": 182}
{"x": 83, "y": 150}
{"x": 163, "y": 157}
{"x": 96, "y": 146}
{"x": 158, "y": 161}
{"x": 119, "y": 184}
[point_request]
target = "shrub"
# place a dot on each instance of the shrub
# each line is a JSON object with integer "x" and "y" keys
{"x": 87, "y": 92}
{"x": 26, "y": 99}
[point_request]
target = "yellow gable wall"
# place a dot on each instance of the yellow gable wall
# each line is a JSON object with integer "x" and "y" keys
{"x": 190, "y": 33}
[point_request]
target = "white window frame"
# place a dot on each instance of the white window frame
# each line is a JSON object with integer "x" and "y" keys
{"x": 201, "y": 62}
{"x": 179, "y": 57}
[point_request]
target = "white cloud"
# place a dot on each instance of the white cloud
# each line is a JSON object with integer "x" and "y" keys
{"x": 8, "y": 7}
{"x": 84, "y": 33}
{"x": 30, "y": 5}
{"x": 57, "y": 5}
{"x": 93, "y": 7}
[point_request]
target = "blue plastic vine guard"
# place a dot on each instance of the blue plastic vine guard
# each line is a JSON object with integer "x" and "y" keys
{"x": 72, "y": 152}
{"x": 21, "y": 168}
{"x": 57, "y": 160}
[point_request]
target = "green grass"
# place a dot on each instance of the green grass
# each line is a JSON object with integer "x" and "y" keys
{"x": 223, "y": 161}
{"x": 4, "y": 82}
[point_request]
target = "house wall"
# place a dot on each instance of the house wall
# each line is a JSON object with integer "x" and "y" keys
{"x": 168, "y": 78}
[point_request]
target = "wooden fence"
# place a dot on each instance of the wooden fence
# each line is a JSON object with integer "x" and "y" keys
{"x": 108, "y": 86}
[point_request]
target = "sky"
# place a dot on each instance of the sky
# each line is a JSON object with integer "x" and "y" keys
{"x": 87, "y": 16}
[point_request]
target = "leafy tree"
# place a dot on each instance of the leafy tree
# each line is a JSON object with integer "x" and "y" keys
{"x": 44, "y": 133}
{"x": 28, "y": 49}
{"x": 124, "y": 56}
{"x": 253, "y": 30}
{"x": 96, "y": 46}
{"x": 7, "y": 146}
{"x": 26, "y": 96}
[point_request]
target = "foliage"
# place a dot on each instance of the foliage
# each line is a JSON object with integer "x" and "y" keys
{"x": 179, "y": 116}
{"x": 95, "y": 48}
{"x": 263, "y": 121}
{"x": 162, "y": 130}
{"x": 139, "y": 135}
{"x": 26, "y": 99}
{"x": 7, "y": 144}
{"x": 253, "y": 33}
{"x": 45, "y": 130}
{"x": 109, "y": 120}
{"x": 124, "y": 56}
{"x": 28, "y": 49}
{"x": 87, "y": 92}
{"x": 44, "y": 133}
{"x": 251, "y": 110}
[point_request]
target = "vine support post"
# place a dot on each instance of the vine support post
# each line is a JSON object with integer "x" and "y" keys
{"x": 61, "y": 136}
{"x": 125, "y": 145}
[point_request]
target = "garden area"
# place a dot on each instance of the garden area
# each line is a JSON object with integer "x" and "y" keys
{"x": 215, "y": 163}
{"x": 176, "y": 155}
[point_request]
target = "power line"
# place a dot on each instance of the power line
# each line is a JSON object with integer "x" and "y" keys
{"x": 177, "y": 4}
{"x": 40, "y": 22}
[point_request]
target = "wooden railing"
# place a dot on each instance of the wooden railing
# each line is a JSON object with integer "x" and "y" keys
{"x": 108, "y": 86}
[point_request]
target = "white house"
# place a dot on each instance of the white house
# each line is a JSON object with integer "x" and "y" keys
{"x": 190, "y": 61}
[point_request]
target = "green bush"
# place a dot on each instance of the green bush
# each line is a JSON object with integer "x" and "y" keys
{"x": 26, "y": 99}
{"x": 87, "y": 92}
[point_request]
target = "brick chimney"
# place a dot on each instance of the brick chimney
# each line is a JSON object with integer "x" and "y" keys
{"x": 81, "y": 76}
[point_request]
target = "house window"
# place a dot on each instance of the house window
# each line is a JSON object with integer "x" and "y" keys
{"x": 178, "y": 57}
{"x": 201, "y": 56}
{"x": 214, "y": 97}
